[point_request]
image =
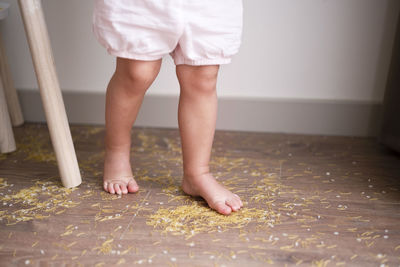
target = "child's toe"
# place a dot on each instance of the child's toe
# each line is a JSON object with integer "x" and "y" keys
{"x": 239, "y": 200}
{"x": 233, "y": 204}
{"x": 222, "y": 208}
{"x": 124, "y": 190}
{"x": 111, "y": 188}
{"x": 117, "y": 189}
{"x": 132, "y": 186}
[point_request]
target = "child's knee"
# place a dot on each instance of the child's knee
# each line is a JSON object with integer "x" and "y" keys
{"x": 137, "y": 74}
{"x": 200, "y": 79}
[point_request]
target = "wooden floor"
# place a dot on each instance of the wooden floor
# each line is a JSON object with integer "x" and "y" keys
{"x": 309, "y": 201}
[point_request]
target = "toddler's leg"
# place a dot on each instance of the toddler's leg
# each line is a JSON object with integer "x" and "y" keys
{"x": 197, "y": 116}
{"x": 124, "y": 97}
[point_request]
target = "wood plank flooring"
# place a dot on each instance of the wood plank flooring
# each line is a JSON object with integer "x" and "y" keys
{"x": 309, "y": 201}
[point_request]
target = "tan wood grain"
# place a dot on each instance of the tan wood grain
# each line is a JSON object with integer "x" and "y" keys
{"x": 14, "y": 108}
{"x": 39, "y": 44}
{"x": 7, "y": 142}
{"x": 338, "y": 200}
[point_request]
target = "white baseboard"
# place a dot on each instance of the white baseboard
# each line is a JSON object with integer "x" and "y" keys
{"x": 347, "y": 118}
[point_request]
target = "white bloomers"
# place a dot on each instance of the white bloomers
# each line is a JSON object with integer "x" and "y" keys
{"x": 193, "y": 32}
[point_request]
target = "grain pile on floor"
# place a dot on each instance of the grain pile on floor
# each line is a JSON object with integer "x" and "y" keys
{"x": 309, "y": 200}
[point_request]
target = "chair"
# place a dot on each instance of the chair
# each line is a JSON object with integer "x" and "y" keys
{"x": 10, "y": 111}
{"x": 42, "y": 58}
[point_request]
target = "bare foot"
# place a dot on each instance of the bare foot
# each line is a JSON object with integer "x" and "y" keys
{"x": 217, "y": 196}
{"x": 118, "y": 177}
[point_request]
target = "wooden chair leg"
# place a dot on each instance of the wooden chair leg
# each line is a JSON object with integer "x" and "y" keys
{"x": 7, "y": 141}
{"x": 14, "y": 108}
{"x": 42, "y": 57}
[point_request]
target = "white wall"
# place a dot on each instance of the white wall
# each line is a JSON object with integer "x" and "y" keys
{"x": 297, "y": 49}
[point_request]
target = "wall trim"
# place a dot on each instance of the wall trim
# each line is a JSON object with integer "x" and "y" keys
{"x": 322, "y": 117}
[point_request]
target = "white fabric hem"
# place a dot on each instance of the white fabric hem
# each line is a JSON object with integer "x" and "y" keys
{"x": 130, "y": 55}
{"x": 201, "y": 62}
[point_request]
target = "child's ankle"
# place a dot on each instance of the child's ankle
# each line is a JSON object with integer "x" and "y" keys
{"x": 193, "y": 174}
{"x": 121, "y": 149}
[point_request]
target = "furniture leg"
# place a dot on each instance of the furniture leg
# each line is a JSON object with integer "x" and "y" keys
{"x": 7, "y": 141}
{"x": 39, "y": 44}
{"x": 14, "y": 108}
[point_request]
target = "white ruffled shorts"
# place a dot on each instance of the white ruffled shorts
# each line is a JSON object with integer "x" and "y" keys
{"x": 193, "y": 32}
